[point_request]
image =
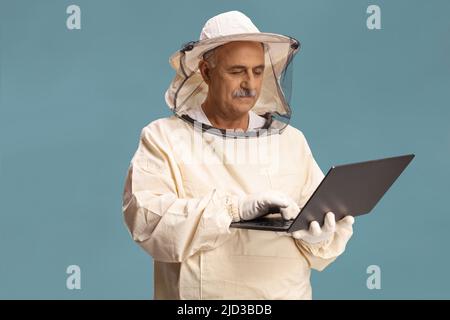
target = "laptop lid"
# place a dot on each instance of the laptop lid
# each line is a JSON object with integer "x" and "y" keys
{"x": 351, "y": 189}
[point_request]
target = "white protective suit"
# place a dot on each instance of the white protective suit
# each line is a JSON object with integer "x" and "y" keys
{"x": 181, "y": 195}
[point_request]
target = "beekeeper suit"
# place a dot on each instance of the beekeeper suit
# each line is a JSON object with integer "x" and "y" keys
{"x": 192, "y": 176}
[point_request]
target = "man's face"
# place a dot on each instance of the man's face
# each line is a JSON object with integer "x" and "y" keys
{"x": 235, "y": 81}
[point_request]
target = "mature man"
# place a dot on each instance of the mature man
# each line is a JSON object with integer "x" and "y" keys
{"x": 187, "y": 183}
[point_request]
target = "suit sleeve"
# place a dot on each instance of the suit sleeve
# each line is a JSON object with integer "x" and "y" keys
{"x": 168, "y": 227}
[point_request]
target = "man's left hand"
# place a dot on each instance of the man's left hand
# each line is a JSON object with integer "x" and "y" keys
{"x": 316, "y": 234}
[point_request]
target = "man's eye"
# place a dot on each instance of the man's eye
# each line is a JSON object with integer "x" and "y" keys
{"x": 236, "y": 72}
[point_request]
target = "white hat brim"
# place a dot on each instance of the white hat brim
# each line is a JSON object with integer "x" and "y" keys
{"x": 195, "y": 53}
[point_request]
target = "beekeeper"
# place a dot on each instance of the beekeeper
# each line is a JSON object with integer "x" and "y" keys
{"x": 228, "y": 154}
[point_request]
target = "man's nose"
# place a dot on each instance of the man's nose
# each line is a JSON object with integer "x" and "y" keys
{"x": 249, "y": 81}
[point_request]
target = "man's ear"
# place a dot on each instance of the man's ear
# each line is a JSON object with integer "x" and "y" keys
{"x": 204, "y": 70}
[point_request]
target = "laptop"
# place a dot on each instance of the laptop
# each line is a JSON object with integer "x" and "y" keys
{"x": 349, "y": 189}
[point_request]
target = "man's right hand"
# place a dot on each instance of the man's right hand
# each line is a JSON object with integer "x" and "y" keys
{"x": 257, "y": 205}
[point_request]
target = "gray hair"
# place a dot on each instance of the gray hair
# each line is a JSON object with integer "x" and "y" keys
{"x": 210, "y": 57}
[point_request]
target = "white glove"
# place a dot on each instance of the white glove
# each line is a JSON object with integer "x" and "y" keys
{"x": 315, "y": 234}
{"x": 257, "y": 205}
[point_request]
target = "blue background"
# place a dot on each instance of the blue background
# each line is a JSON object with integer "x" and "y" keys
{"x": 73, "y": 102}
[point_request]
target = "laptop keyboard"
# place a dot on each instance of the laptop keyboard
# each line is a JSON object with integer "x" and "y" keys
{"x": 276, "y": 223}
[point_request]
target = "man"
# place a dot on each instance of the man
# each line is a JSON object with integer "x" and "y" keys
{"x": 196, "y": 172}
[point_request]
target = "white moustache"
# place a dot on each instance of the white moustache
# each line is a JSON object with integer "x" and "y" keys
{"x": 244, "y": 93}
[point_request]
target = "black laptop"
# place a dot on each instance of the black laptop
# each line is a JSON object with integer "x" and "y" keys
{"x": 350, "y": 189}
